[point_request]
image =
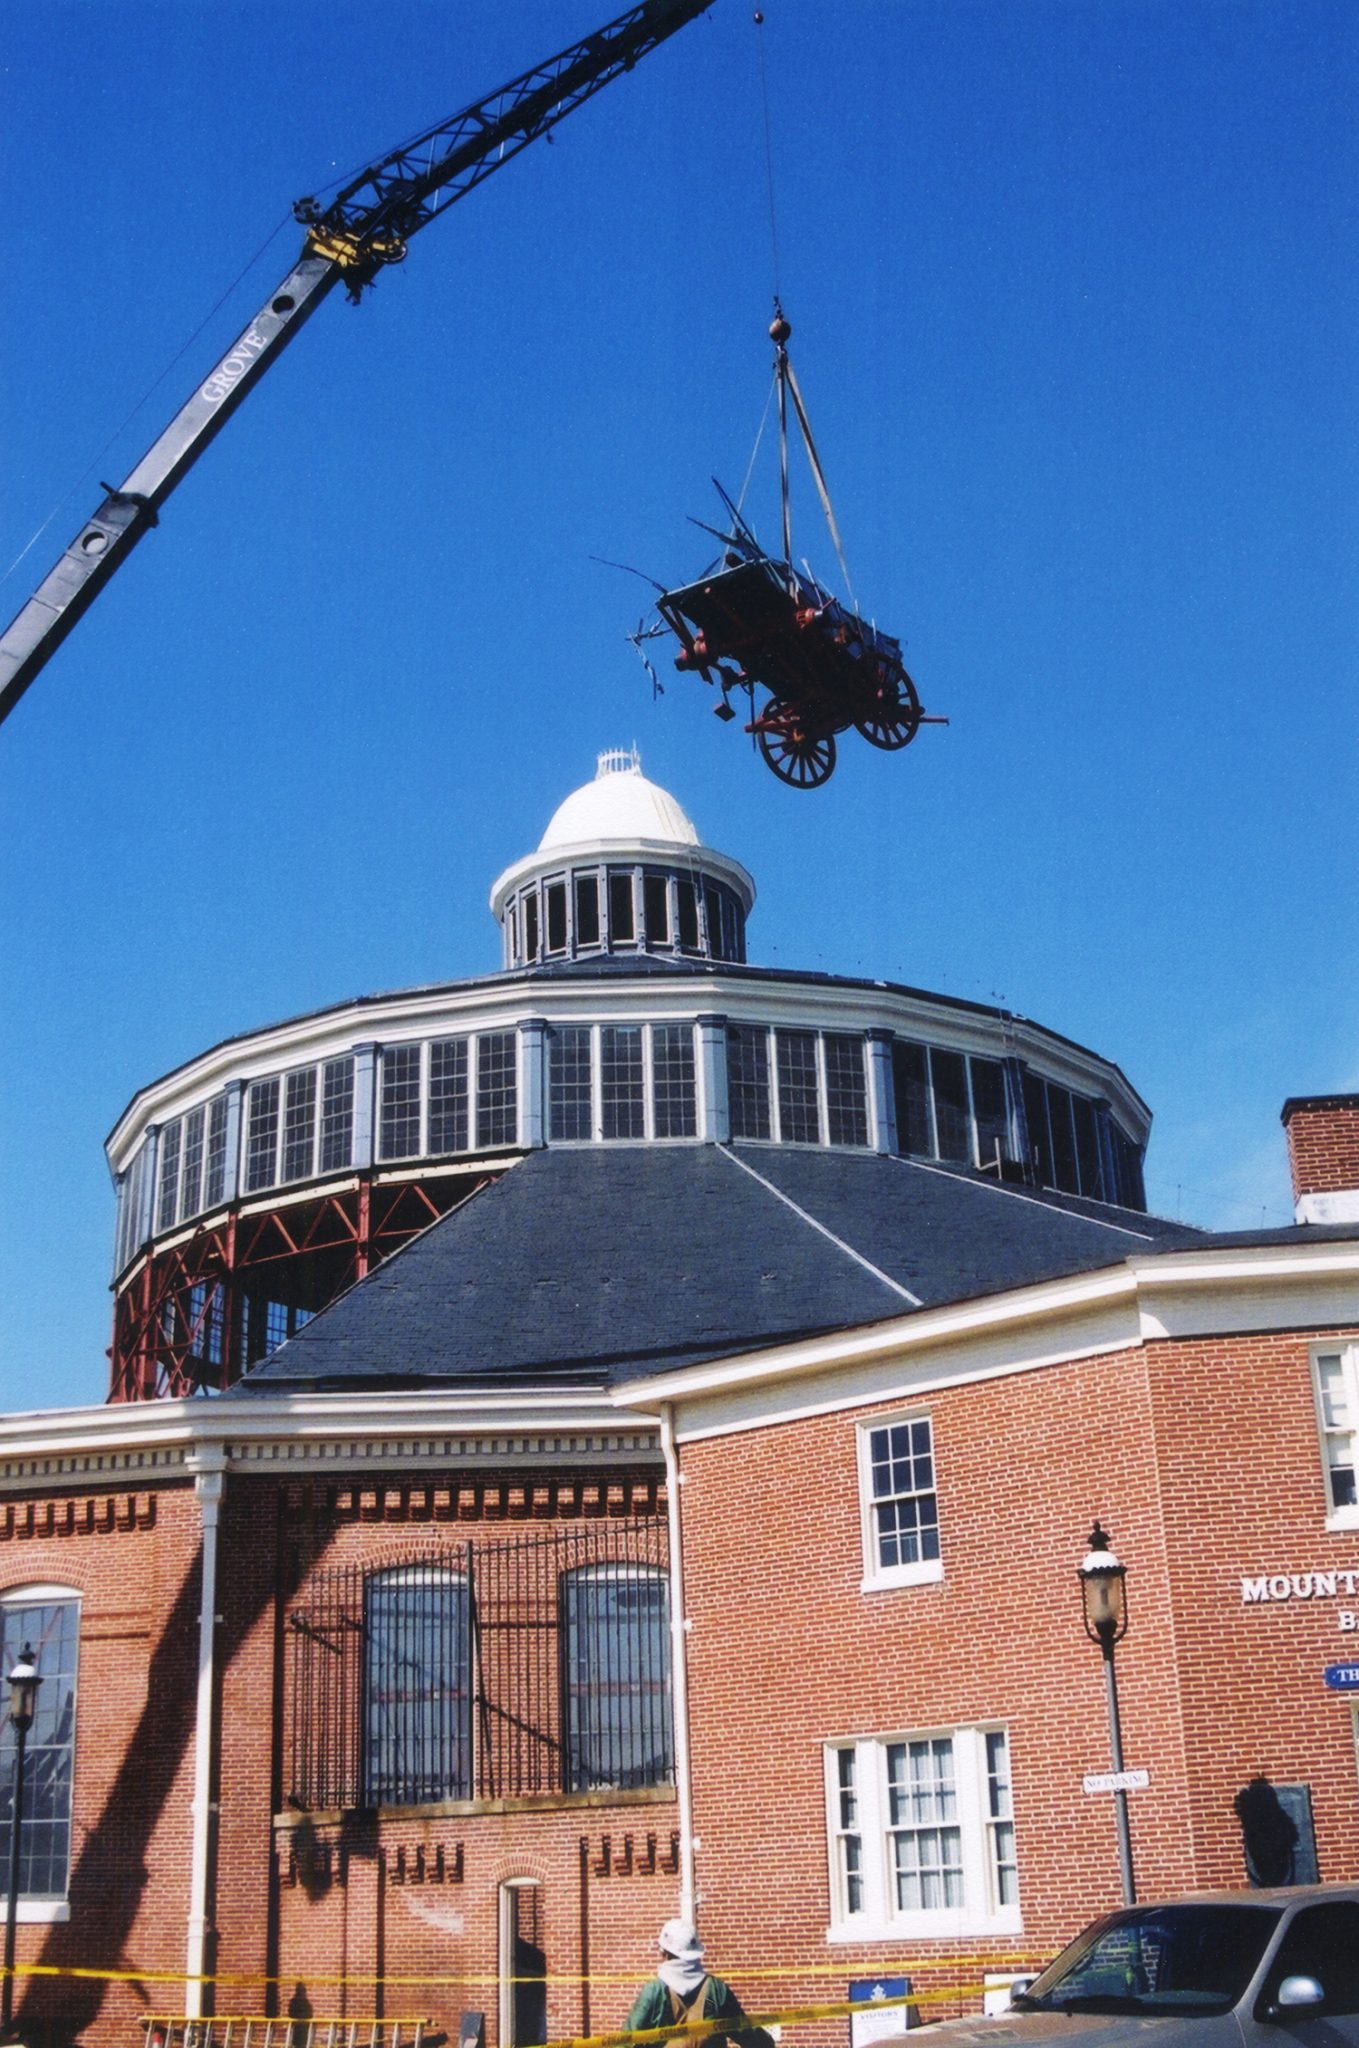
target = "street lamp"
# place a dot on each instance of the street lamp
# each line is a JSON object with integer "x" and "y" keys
{"x": 1104, "y": 1604}
{"x": 23, "y": 1698}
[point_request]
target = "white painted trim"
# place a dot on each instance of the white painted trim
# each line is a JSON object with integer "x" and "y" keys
{"x": 1142, "y": 1299}
{"x": 209, "y": 1485}
{"x": 141, "y": 1443}
{"x": 679, "y": 1668}
{"x": 38, "y": 1912}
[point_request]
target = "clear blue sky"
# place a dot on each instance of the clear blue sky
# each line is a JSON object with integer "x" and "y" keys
{"x": 1073, "y": 287}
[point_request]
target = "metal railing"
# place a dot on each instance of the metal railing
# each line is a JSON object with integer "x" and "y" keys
{"x": 485, "y": 1670}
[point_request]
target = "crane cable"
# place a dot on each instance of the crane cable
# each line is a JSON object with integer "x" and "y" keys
{"x": 784, "y": 377}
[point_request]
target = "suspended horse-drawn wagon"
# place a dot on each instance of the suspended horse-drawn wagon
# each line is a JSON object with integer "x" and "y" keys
{"x": 753, "y": 619}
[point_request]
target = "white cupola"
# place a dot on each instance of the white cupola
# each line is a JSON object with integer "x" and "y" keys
{"x": 621, "y": 870}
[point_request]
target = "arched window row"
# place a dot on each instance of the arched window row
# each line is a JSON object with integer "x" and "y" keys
{"x": 600, "y": 909}
{"x": 485, "y": 1672}
{"x": 604, "y": 1083}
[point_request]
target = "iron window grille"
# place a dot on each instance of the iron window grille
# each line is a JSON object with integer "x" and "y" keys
{"x": 484, "y": 1671}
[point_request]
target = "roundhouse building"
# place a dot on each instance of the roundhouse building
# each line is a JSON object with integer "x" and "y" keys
{"x": 259, "y": 1179}
{"x": 660, "y": 1403}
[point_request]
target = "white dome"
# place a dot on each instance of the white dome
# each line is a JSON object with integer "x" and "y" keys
{"x": 619, "y": 804}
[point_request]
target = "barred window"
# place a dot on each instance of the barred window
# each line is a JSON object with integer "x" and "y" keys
{"x": 261, "y": 1142}
{"x": 497, "y": 1112}
{"x": 617, "y": 1624}
{"x": 900, "y": 1506}
{"x": 846, "y": 1090}
{"x": 337, "y": 1114}
{"x": 622, "y": 1097}
{"x": 448, "y": 1120}
{"x": 47, "y": 1622}
{"x": 748, "y": 1080}
{"x": 299, "y": 1124}
{"x": 191, "y": 1168}
{"x": 214, "y": 1164}
{"x": 672, "y": 1080}
{"x": 799, "y": 1107}
{"x": 399, "y": 1111}
{"x": 167, "y": 1198}
{"x": 502, "y": 1669}
{"x": 569, "y": 1093}
{"x": 417, "y": 1735}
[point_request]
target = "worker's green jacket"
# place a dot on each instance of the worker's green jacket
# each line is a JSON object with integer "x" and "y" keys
{"x": 654, "y": 2008}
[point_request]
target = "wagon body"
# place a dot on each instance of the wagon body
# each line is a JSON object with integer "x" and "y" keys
{"x": 756, "y": 621}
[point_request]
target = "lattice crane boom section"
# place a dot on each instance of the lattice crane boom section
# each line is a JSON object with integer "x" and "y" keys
{"x": 423, "y": 177}
{"x": 348, "y": 240}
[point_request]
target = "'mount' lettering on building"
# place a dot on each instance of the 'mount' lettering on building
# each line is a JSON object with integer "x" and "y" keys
{"x": 1299, "y": 1586}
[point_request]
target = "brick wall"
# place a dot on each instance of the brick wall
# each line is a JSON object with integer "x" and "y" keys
{"x": 1202, "y": 1458}
{"x": 1323, "y": 1143}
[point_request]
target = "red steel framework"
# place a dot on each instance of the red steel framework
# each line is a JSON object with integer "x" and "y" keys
{"x": 191, "y": 1317}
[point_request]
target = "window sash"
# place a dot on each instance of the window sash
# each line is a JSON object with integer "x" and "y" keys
{"x": 898, "y": 1480}
{"x": 1335, "y": 1379}
{"x": 52, "y": 1627}
{"x": 920, "y": 1834}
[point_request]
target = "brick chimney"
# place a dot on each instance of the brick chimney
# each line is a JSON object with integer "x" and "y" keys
{"x": 1323, "y": 1156}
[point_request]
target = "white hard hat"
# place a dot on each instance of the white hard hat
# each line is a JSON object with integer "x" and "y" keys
{"x": 679, "y": 1940}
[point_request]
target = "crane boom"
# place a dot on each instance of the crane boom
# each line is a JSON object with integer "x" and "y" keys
{"x": 367, "y": 225}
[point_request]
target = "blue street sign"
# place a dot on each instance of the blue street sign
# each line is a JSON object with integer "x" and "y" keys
{"x": 1342, "y": 1677}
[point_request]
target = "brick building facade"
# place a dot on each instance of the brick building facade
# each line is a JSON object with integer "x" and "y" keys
{"x": 686, "y": 1516}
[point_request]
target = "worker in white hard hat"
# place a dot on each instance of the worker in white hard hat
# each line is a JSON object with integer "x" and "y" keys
{"x": 683, "y": 1992}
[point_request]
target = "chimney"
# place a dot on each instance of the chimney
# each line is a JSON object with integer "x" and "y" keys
{"x": 1323, "y": 1156}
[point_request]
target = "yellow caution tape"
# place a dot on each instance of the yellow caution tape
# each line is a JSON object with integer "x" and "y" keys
{"x": 912, "y": 1968}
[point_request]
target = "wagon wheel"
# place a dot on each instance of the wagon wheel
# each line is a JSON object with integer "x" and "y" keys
{"x": 795, "y": 753}
{"x": 894, "y": 720}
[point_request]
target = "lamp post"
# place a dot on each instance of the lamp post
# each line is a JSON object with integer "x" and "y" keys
{"x": 23, "y": 1697}
{"x": 1104, "y": 1604}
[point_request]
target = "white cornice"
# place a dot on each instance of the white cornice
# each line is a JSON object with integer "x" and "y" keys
{"x": 1148, "y": 1297}
{"x": 137, "y": 1442}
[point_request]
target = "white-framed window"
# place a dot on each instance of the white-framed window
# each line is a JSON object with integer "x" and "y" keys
{"x": 611, "y": 1082}
{"x": 797, "y": 1087}
{"x": 1335, "y": 1382}
{"x": 899, "y": 1507}
{"x": 921, "y": 1835}
{"x": 46, "y": 1620}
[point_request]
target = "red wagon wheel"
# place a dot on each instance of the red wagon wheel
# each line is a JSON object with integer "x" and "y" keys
{"x": 796, "y": 754}
{"x": 894, "y": 720}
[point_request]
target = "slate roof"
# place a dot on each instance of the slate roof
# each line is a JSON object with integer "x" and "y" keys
{"x": 592, "y": 1265}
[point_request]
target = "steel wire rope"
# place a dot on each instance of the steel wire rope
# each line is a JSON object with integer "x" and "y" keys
{"x": 96, "y": 460}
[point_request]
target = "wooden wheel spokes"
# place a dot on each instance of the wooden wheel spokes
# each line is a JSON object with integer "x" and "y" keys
{"x": 798, "y": 756}
{"x": 894, "y": 719}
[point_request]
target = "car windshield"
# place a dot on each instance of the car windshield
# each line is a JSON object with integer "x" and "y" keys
{"x": 1157, "y": 1959}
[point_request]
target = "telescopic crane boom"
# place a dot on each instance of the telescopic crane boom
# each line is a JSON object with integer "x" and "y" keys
{"x": 348, "y": 241}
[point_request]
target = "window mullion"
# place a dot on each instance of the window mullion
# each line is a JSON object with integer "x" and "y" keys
{"x": 596, "y": 1085}
{"x": 822, "y": 1099}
